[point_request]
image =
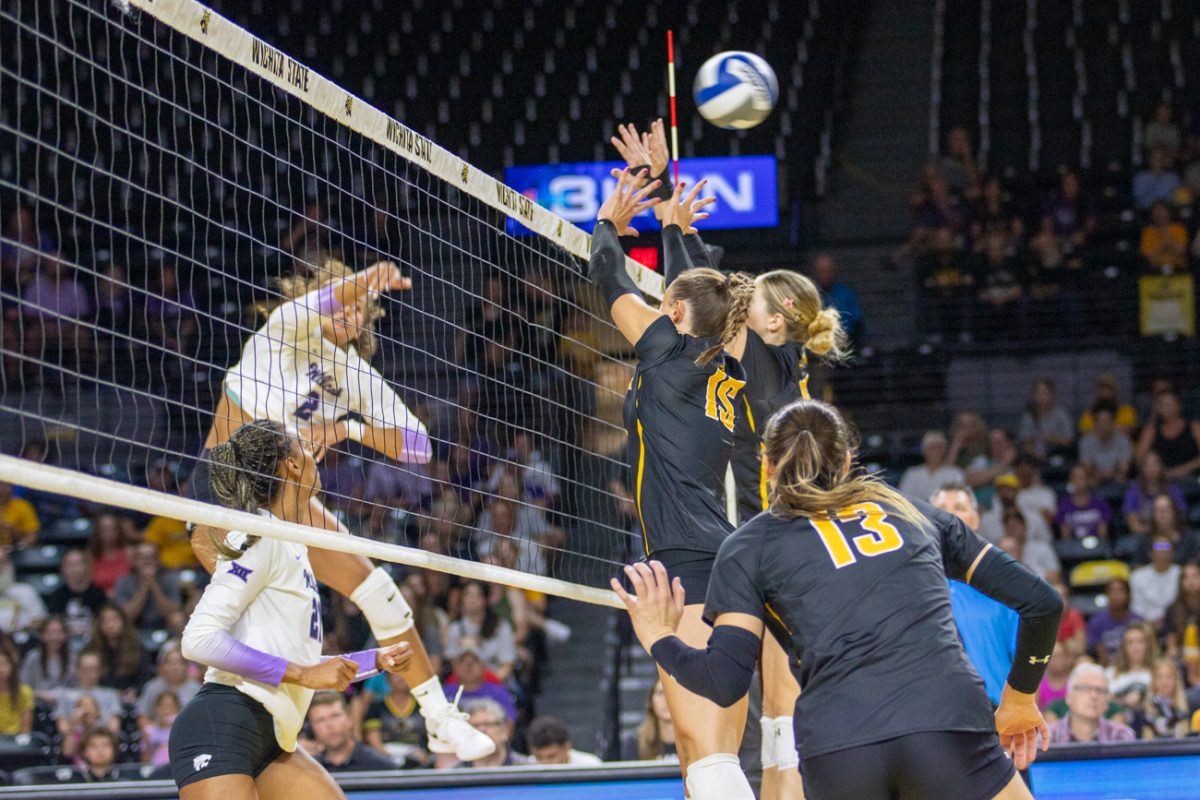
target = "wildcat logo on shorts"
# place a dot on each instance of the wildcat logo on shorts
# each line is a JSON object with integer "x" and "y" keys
{"x": 201, "y": 761}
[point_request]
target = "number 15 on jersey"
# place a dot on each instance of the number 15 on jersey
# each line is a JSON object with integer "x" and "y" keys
{"x": 722, "y": 391}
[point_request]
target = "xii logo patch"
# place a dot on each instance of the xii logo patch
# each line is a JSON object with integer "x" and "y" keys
{"x": 238, "y": 571}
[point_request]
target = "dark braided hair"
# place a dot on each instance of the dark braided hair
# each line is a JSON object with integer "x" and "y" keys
{"x": 244, "y": 472}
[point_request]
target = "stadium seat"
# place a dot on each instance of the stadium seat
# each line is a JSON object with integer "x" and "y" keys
{"x": 1097, "y": 573}
{"x": 24, "y": 750}
{"x": 43, "y": 558}
{"x": 70, "y": 532}
{"x": 42, "y": 776}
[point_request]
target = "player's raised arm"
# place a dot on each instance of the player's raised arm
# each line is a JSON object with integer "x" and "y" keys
{"x": 996, "y": 574}
{"x": 678, "y": 214}
{"x": 630, "y": 313}
{"x": 380, "y": 277}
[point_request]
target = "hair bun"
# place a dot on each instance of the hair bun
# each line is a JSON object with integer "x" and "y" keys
{"x": 823, "y": 332}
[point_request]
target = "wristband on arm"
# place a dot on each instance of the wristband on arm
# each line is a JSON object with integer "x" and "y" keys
{"x": 365, "y": 659}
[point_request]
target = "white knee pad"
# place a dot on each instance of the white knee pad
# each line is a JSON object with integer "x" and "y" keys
{"x": 769, "y": 758}
{"x": 718, "y": 777}
{"x": 383, "y": 605}
{"x": 786, "y": 756}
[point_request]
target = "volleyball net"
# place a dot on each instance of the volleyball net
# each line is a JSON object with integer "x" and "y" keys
{"x": 161, "y": 170}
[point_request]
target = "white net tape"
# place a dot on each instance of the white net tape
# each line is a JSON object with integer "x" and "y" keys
{"x": 162, "y": 168}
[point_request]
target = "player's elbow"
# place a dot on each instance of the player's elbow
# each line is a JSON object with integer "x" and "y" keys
{"x": 727, "y": 696}
{"x": 1048, "y": 603}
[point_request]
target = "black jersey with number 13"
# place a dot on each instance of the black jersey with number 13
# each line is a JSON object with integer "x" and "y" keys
{"x": 680, "y": 418}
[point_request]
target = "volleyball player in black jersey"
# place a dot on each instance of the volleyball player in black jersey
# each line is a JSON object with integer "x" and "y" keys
{"x": 852, "y": 575}
{"x": 786, "y": 321}
{"x": 680, "y": 415}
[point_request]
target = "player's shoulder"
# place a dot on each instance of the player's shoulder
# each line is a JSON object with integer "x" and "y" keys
{"x": 751, "y": 538}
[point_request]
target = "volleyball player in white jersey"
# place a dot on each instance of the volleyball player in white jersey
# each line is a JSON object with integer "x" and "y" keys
{"x": 309, "y": 369}
{"x": 258, "y": 629}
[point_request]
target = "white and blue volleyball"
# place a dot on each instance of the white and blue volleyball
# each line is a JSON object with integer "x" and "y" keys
{"x": 735, "y": 90}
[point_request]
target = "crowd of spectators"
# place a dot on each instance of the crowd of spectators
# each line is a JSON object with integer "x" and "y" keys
{"x": 1098, "y": 503}
{"x": 997, "y": 262}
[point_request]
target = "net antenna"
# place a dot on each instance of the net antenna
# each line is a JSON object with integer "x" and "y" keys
{"x": 170, "y": 166}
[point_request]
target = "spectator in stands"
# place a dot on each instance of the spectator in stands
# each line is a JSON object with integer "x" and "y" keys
{"x": 1173, "y": 436}
{"x": 471, "y": 673}
{"x": 21, "y": 606}
{"x": 173, "y": 541}
{"x": 491, "y": 718}
{"x": 999, "y": 288}
{"x": 393, "y": 725}
{"x": 1167, "y": 521}
{"x": 88, "y": 671}
{"x": 1081, "y": 512}
{"x": 493, "y": 635}
{"x": 838, "y": 296}
{"x": 156, "y": 733}
{"x": 1156, "y": 182}
{"x": 1054, "y": 683}
{"x": 992, "y": 215}
{"x": 1151, "y": 482}
{"x": 1072, "y": 628}
{"x": 54, "y": 295}
{"x": 1106, "y": 626}
{"x": 120, "y": 650}
{"x": 1087, "y": 699}
{"x": 110, "y": 551}
{"x": 1068, "y": 222}
{"x": 172, "y": 676}
{"x": 957, "y": 165}
{"x": 430, "y": 620}
{"x": 393, "y": 485}
{"x": 1129, "y": 676}
{"x": 1038, "y": 556}
{"x": 1155, "y": 586}
{"x": 1165, "y": 715}
{"x": 1106, "y": 450}
{"x": 1046, "y": 428}
{"x": 98, "y": 748}
{"x": 333, "y": 731}
{"x": 922, "y": 480}
{"x": 947, "y": 282}
{"x": 1106, "y": 396}
{"x": 1164, "y": 242}
{"x": 169, "y": 308}
{"x": 1035, "y": 499}
{"x": 549, "y": 742}
{"x": 49, "y": 667}
{"x": 992, "y": 522}
{"x": 1161, "y": 132}
{"x": 981, "y": 472}
{"x": 19, "y": 523}
{"x": 1181, "y": 622}
{"x": 654, "y": 737}
{"x": 149, "y": 595}
{"x": 23, "y": 246}
{"x": 78, "y": 599}
{"x": 16, "y": 698}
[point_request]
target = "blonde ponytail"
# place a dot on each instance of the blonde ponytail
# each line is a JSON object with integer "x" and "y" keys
{"x": 797, "y": 299}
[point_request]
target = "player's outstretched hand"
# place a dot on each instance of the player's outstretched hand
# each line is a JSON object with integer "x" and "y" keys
{"x": 685, "y": 210}
{"x": 656, "y": 604}
{"x": 384, "y": 276}
{"x": 1019, "y": 722}
{"x": 627, "y": 201}
{"x": 396, "y": 658}
{"x": 334, "y": 673}
{"x": 633, "y": 148}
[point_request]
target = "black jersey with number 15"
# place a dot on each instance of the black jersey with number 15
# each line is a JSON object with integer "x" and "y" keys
{"x": 776, "y": 375}
{"x": 680, "y": 418}
{"x": 861, "y": 603}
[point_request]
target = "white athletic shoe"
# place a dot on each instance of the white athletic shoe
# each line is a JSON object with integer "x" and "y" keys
{"x": 449, "y": 732}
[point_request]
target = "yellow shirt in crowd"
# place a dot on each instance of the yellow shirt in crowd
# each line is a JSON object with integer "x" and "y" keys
{"x": 10, "y": 715}
{"x": 174, "y": 543}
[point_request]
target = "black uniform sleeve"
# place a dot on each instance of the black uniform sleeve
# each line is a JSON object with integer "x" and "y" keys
{"x": 659, "y": 342}
{"x": 1007, "y": 581}
{"x": 722, "y": 672}
{"x": 675, "y": 253}
{"x": 698, "y": 250}
{"x": 733, "y": 587}
{"x": 606, "y": 268}
{"x": 961, "y": 546}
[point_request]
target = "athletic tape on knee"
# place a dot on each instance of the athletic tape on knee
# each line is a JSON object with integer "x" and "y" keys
{"x": 769, "y": 759}
{"x": 383, "y": 605}
{"x": 718, "y": 777}
{"x": 786, "y": 756}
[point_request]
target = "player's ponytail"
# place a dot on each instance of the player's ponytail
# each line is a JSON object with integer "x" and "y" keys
{"x": 740, "y": 288}
{"x": 811, "y": 449}
{"x": 796, "y": 298}
{"x": 244, "y": 472}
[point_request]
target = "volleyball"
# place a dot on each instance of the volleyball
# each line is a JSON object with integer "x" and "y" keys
{"x": 735, "y": 90}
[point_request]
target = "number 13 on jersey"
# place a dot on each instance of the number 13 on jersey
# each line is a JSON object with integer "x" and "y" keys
{"x": 722, "y": 390}
{"x": 881, "y": 536}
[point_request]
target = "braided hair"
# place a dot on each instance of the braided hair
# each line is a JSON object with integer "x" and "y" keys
{"x": 244, "y": 472}
{"x": 718, "y": 305}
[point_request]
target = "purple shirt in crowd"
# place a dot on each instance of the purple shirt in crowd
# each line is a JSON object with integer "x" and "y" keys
{"x": 489, "y": 691}
{"x": 1082, "y": 521}
{"x": 49, "y": 298}
{"x": 1138, "y": 502}
{"x": 1104, "y": 631}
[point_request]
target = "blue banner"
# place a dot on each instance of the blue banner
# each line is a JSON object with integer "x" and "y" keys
{"x": 745, "y": 188}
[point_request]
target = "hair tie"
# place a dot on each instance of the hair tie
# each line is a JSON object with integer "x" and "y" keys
{"x": 788, "y": 302}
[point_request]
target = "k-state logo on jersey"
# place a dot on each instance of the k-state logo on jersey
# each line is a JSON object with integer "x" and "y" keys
{"x": 201, "y": 761}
